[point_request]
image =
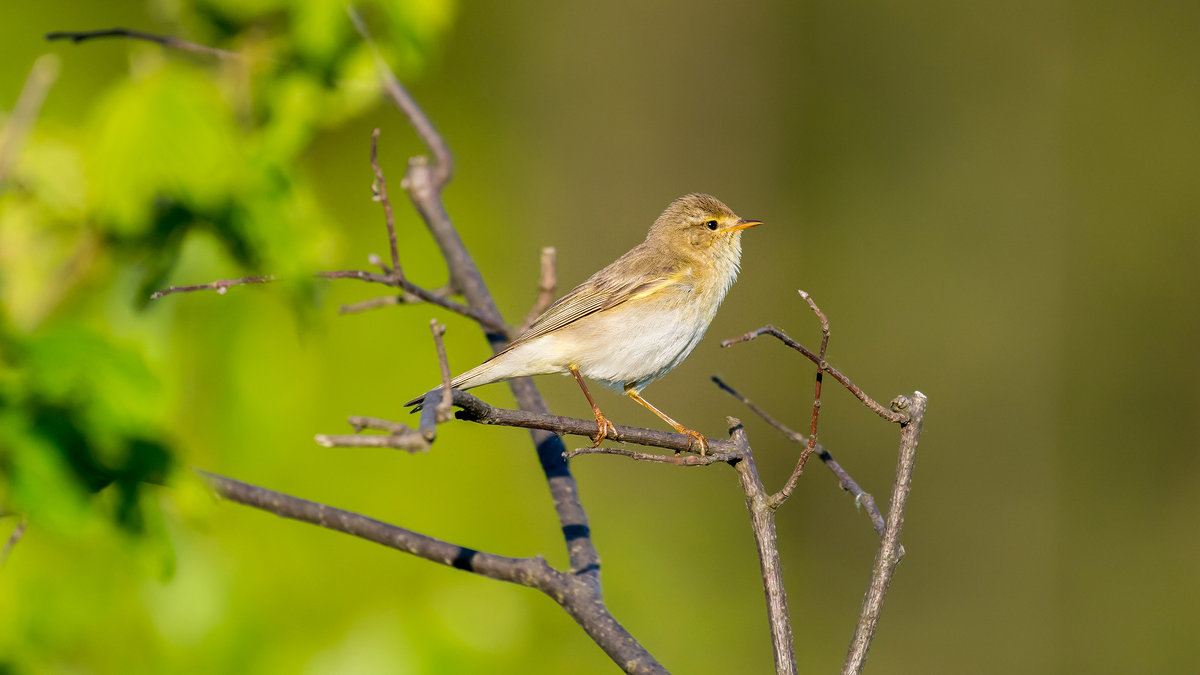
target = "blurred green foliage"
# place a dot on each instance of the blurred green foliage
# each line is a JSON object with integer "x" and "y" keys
{"x": 995, "y": 204}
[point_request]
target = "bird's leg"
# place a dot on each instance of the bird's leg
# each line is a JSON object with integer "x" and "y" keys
{"x": 603, "y": 426}
{"x": 703, "y": 442}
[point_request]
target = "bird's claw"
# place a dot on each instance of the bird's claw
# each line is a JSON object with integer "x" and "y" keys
{"x": 604, "y": 429}
{"x": 700, "y": 440}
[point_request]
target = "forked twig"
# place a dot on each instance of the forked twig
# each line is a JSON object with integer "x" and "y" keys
{"x": 780, "y": 497}
{"x": 379, "y": 192}
{"x": 862, "y": 498}
{"x": 833, "y": 372}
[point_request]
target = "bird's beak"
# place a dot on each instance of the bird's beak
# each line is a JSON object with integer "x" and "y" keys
{"x": 742, "y": 224}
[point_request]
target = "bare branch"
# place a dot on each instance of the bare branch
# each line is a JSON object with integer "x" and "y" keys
{"x": 833, "y": 372}
{"x": 408, "y": 440}
{"x": 379, "y": 190}
{"x": 890, "y": 550}
{"x": 373, "y": 303}
{"x": 762, "y": 521}
{"x": 444, "y": 162}
{"x": 164, "y": 40}
{"x": 534, "y": 572}
{"x": 221, "y": 286}
{"x": 578, "y": 594}
{"x": 677, "y": 460}
{"x": 475, "y": 410}
{"x": 359, "y": 423}
{"x": 790, "y": 486}
{"x": 862, "y": 498}
{"x": 437, "y": 405}
{"x": 547, "y": 284}
{"x": 443, "y": 406}
{"x": 25, "y": 112}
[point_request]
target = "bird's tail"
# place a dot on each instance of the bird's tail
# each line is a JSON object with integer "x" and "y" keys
{"x": 484, "y": 373}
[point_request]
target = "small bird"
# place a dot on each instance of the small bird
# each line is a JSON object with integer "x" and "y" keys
{"x": 635, "y": 320}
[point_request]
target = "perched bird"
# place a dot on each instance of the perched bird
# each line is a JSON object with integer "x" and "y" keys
{"x": 635, "y": 320}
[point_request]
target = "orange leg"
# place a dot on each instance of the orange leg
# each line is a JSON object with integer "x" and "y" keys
{"x": 699, "y": 438}
{"x": 603, "y": 426}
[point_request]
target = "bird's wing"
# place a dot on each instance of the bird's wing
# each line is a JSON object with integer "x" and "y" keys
{"x": 605, "y": 290}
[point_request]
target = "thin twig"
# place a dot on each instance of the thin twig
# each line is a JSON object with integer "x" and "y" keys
{"x": 443, "y": 161}
{"x": 444, "y": 412}
{"x": 410, "y": 441}
{"x": 790, "y": 486}
{"x": 13, "y": 539}
{"x": 379, "y": 190}
{"x": 373, "y": 303}
{"x": 677, "y": 460}
{"x": 221, "y": 286}
{"x": 862, "y": 498}
{"x": 547, "y": 284}
{"x": 833, "y": 372}
{"x": 889, "y": 546}
{"x": 25, "y": 112}
{"x": 360, "y": 423}
{"x": 164, "y": 40}
{"x": 437, "y": 405}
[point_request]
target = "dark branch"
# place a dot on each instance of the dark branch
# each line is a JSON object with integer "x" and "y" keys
{"x": 578, "y": 594}
{"x": 164, "y": 40}
{"x": 475, "y": 410}
{"x": 424, "y": 185}
{"x": 534, "y": 572}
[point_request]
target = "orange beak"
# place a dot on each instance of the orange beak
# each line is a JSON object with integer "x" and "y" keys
{"x": 742, "y": 224}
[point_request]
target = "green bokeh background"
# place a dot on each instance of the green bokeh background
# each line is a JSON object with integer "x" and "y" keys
{"x": 997, "y": 204}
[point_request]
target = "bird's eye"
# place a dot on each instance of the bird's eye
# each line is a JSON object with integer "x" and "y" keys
{"x": 712, "y": 224}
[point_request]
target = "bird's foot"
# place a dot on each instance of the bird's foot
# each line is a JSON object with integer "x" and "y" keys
{"x": 604, "y": 429}
{"x": 699, "y": 438}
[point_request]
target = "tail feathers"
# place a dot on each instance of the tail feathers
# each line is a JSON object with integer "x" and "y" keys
{"x": 482, "y": 374}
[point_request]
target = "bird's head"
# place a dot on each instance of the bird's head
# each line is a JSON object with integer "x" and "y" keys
{"x": 700, "y": 227}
